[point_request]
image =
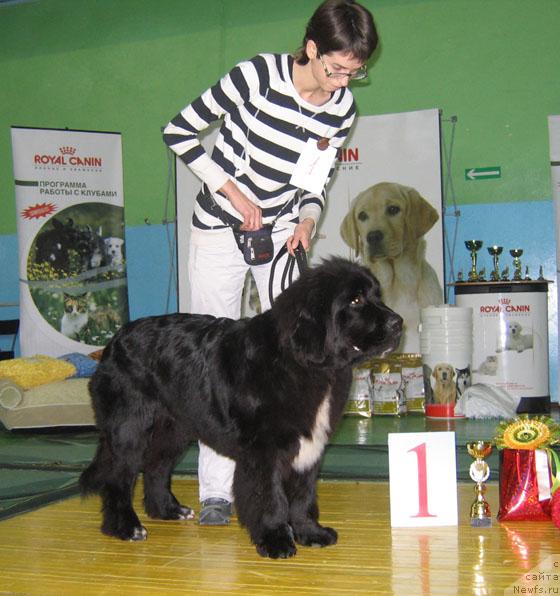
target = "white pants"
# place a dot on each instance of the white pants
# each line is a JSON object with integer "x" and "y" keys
{"x": 217, "y": 274}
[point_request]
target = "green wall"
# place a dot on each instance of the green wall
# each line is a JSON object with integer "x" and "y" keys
{"x": 130, "y": 65}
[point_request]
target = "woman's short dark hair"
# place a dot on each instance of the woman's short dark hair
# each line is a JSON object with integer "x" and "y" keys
{"x": 340, "y": 26}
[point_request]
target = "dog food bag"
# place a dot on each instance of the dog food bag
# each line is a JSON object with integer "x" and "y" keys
{"x": 413, "y": 381}
{"x": 388, "y": 394}
{"x": 359, "y": 400}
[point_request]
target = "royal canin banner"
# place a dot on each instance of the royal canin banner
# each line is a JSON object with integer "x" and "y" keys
{"x": 383, "y": 209}
{"x": 70, "y": 224}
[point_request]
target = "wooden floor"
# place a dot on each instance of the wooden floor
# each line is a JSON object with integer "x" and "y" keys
{"x": 58, "y": 550}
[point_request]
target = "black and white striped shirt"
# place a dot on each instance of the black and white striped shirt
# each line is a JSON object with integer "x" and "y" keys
{"x": 265, "y": 127}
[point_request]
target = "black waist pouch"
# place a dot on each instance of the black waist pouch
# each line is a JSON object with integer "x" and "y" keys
{"x": 257, "y": 247}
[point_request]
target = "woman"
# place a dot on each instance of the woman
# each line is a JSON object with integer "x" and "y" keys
{"x": 283, "y": 119}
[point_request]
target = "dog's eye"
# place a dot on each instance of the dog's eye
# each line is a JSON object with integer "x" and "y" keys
{"x": 393, "y": 210}
{"x": 362, "y": 216}
{"x": 357, "y": 300}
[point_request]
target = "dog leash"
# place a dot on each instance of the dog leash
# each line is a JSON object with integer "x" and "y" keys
{"x": 300, "y": 259}
{"x": 229, "y": 220}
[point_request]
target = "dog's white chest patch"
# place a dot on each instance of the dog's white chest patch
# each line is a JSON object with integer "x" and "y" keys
{"x": 310, "y": 449}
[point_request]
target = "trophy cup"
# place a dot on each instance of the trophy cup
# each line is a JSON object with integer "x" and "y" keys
{"x": 480, "y": 472}
{"x": 495, "y": 252}
{"x": 516, "y": 253}
{"x": 474, "y": 246}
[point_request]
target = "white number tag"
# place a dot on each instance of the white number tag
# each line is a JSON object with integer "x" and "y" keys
{"x": 422, "y": 479}
{"x": 312, "y": 167}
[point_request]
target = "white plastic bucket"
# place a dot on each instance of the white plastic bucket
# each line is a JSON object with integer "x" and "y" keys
{"x": 446, "y": 344}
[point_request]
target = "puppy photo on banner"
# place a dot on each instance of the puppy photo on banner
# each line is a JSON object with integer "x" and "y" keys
{"x": 384, "y": 209}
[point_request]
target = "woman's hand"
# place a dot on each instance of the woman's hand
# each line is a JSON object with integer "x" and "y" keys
{"x": 251, "y": 213}
{"x": 302, "y": 233}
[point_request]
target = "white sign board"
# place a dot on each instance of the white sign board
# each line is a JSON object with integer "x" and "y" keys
{"x": 422, "y": 479}
{"x": 554, "y": 137}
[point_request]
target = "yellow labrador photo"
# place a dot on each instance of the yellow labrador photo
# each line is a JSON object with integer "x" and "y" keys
{"x": 445, "y": 391}
{"x": 386, "y": 225}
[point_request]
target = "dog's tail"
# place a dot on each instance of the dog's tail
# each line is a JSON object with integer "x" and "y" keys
{"x": 92, "y": 478}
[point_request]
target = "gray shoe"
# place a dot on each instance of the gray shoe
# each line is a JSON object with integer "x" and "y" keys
{"x": 215, "y": 512}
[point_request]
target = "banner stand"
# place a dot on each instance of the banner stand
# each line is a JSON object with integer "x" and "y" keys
{"x": 70, "y": 224}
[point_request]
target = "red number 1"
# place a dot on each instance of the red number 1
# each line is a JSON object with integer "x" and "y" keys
{"x": 420, "y": 451}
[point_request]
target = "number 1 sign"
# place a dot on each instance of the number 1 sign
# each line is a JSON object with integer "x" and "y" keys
{"x": 422, "y": 479}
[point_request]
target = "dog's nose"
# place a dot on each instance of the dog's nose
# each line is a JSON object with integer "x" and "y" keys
{"x": 395, "y": 324}
{"x": 375, "y": 237}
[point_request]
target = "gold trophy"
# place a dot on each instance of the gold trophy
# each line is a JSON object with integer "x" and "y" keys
{"x": 516, "y": 253}
{"x": 474, "y": 246}
{"x": 495, "y": 252}
{"x": 480, "y": 472}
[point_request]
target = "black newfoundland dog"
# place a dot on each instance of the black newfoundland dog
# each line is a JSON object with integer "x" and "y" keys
{"x": 266, "y": 391}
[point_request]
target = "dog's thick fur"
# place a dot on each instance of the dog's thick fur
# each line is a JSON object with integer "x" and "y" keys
{"x": 386, "y": 225}
{"x": 266, "y": 391}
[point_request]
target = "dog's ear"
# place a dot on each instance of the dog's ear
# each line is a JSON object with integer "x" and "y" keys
{"x": 300, "y": 320}
{"x": 421, "y": 215}
{"x": 308, "y": 337}
{"x": 349, "y": 230}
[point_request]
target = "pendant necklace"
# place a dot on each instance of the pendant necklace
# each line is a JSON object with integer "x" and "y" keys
{"x": 322, "y": 142}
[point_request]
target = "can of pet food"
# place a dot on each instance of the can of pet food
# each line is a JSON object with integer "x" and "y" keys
{"x": 446, "y": 344}
{"x": 510, "y": 328}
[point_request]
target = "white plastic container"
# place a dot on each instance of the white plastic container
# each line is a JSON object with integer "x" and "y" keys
{"x": 510, "y": 328}
{"x": 446, "y": 344}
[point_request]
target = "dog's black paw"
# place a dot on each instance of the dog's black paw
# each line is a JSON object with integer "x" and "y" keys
{"x": 132, "y": 533}
{"x": 173, "y": 512}
{"x": 185, "y": 512}
{"x": 316, "y": 536}
{"x": 277, "y": 544}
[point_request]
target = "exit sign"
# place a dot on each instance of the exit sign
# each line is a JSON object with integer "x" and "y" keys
{"x": 483, "y": 173}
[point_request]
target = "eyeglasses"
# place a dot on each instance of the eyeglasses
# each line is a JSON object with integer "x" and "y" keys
{"x": 359, "y": 75}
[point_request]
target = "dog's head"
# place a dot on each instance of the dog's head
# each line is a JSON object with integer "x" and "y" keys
{"x": 443, "y": 373}
{"x": 514, "y": 329}
{"x": 463, "y": 373}
{"x": 333, "y": 316}
{"x": 113, "y": 246}
{"x": 52, "y": 245}
{"x": 386, "y": 220}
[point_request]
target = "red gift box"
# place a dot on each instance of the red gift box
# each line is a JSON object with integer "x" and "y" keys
{"x": 525, "y": 485}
